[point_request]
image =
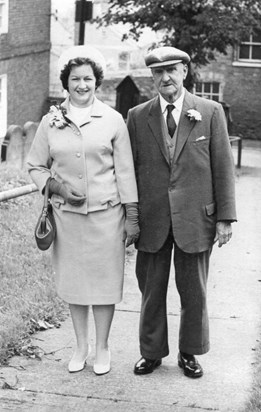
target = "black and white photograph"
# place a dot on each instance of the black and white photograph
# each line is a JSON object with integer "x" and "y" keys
{"x": 130, "y": 205}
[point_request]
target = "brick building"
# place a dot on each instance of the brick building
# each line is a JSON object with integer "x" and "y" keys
{"x": 24, "y": 60}
{"x": 236, "y": 80}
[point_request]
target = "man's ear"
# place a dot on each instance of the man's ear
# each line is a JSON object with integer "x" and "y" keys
{"x": 185, "y": 69}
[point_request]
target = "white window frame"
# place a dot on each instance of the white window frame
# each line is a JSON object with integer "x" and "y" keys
{"x": 210, "y": 94}
{"x": 4, "y": 16}
{"x": 249, "y": 61}
{"x": 3, "y": 105}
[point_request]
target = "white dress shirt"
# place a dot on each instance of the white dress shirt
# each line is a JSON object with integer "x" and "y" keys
{"x": 176, "y": 112}
{"x": 79, "y": 114}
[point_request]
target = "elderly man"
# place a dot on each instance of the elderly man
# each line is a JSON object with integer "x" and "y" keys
{"x": 185, "y": 176}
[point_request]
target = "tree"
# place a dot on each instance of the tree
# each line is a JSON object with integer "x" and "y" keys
{"x": 199, "y": 27}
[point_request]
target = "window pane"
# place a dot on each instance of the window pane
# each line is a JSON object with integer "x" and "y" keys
{"x": 215, "y": 87}
{"x": 256, "y": 53}
{"x": 244, "y": 52}
{"x": 215, "y": 98}
{"x": 123, "y": 60}
{"x": 207, "y": 87}
{"x": 198, "y": 87}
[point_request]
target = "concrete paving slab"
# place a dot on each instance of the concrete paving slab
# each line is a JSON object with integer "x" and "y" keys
{"x": 234, "y": 309}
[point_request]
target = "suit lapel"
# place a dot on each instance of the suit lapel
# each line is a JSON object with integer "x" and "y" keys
{"x": 185, "y": 125}
{"x": 155, "y": 124}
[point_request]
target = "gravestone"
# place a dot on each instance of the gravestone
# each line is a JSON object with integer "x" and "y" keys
{"x": 29, "y": 131}
{"x": 12, "y": 147}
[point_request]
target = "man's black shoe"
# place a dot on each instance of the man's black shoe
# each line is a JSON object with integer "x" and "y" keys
{"x": 190, "y": 365}
{"x": 144, "y": 366}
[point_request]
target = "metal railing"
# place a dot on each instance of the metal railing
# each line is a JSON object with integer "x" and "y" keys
{"x": 18, "y": 191}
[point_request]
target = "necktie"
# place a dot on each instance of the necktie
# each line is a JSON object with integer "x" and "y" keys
{"x": 170, "y": 120}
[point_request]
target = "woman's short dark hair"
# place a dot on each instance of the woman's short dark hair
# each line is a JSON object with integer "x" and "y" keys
{"x": 79, "y": 61}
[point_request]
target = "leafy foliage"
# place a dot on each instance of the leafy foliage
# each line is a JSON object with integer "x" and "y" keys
{"x": 199, "y": 27}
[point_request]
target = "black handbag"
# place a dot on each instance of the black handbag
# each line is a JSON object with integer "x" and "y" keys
{"x": 45, "y": 229}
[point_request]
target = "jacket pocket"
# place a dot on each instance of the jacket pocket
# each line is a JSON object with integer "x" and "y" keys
{"x": 201, "y": 141}
{"x": 211, "y": 209}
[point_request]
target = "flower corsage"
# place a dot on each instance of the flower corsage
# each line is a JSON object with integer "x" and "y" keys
{"x": 194, "y": 115}
{"x": 57, "y": 118}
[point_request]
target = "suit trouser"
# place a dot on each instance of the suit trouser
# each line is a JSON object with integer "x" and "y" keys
{"x": 191, "y": 272}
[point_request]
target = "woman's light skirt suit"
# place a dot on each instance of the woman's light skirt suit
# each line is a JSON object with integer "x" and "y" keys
{"x": 88, "y": 256}
{"x": 96, "y": 160}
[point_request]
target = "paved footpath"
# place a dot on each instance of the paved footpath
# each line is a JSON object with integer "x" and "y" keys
{"x": 234, "y": 309}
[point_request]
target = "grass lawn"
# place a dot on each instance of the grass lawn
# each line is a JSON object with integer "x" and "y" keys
{"x": 27, "y": 292}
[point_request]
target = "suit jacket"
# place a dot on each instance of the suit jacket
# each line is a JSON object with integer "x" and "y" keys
{"x": 194, "y": 190}
{"x": 94, "y": 159}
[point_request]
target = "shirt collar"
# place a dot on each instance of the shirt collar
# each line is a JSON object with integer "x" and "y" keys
{"x": 178, "y": 103}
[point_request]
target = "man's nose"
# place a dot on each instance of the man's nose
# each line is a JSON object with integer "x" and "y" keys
{"x": 165, "y": 76}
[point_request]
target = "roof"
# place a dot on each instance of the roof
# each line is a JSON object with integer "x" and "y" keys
{"x": 144, "y": 84}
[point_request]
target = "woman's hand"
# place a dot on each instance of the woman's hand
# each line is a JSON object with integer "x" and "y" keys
{"x": 132, "y": 223}
{"x": 70, "y": 195}
{"x": 73, "y": 197}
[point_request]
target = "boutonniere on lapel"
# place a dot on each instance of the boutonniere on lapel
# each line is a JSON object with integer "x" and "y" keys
{"x": 194, "y": 115}
{"x": 57, "y": 118}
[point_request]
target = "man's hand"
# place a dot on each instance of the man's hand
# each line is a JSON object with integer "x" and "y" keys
{"x": 223, "y": 233}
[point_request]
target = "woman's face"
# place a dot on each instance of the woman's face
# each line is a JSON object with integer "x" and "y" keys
{"x": 81, "y": 85}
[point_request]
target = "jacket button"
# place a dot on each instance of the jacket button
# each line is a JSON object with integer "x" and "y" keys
{"x": 78, "y": 154}
{"x": 80, "y": 176}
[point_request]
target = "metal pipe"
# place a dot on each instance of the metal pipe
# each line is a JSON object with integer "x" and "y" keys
{"x": 82, "y": 23}
{"x": 18, "y": 191}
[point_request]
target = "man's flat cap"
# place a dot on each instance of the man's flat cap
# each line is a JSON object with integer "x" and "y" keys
{"x": 165, "y": 56}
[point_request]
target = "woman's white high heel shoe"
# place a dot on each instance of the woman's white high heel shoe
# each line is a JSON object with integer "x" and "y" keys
{"x": 77, "y": 366}
{"x": 101, "y": 369}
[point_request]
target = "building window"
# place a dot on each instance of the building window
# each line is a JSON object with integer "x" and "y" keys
{"x": 250, "y": 48}
{"x": 124, "y": 59}
{"x": 3, "y": 105}
{"x": 4, "y": 16}
{"x": 248, "y": 53}
{"x": 209, "y": 90}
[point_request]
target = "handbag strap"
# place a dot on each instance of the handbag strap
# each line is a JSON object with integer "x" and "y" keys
{"x": 47, "y": 192}
{"x": 43, "y": 227}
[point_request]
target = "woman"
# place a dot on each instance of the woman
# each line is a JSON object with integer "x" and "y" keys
{"x": 84, "y": 146}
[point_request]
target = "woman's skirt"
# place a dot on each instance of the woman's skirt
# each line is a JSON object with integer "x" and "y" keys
{"x": 88, "y": 256}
